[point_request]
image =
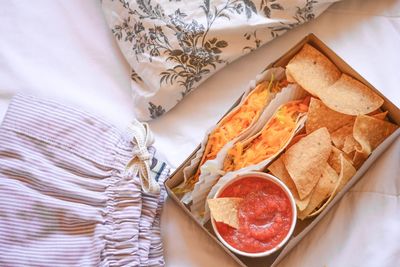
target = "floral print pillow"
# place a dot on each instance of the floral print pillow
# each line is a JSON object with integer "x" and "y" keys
{"x": 174, "y": 45}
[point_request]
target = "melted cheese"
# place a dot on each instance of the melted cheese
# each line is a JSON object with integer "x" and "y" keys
{"x": 239, "y": 121}
{"x": 272, "y": 138}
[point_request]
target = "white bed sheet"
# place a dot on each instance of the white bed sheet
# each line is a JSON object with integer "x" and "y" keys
{"x": 63, "y": 50}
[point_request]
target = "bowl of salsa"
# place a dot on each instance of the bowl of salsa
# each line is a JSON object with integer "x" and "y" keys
{"x": 266, "y": 215}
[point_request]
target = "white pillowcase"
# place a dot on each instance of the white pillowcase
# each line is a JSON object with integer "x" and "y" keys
{"x": 174, "y": 45}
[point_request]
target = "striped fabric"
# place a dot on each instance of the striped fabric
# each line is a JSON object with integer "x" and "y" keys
{"x": 65, "y": 199}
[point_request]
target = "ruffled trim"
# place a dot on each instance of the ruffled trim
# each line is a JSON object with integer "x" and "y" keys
{"x": 122, "y": 213}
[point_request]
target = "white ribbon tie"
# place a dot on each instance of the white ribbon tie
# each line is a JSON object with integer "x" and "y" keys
{"x": 140, "y": 163}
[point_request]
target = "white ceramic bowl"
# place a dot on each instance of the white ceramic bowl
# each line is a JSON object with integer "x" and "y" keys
{"x": 292, "y": 202}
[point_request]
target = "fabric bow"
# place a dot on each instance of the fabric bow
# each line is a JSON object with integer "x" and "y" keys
{"x": 140, "y": 163}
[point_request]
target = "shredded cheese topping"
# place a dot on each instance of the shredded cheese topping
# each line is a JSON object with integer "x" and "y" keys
{"x": 272, "y": 138}
{"x": 239, "y": 121}
{"x": 242, "y": 118}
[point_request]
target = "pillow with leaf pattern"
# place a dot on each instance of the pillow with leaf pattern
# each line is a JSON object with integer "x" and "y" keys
{"x": 174, "y": 45}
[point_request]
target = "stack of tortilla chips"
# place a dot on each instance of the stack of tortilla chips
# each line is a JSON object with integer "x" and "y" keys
{"x": 225, "y": 210}
{"x": 344, "y": 125}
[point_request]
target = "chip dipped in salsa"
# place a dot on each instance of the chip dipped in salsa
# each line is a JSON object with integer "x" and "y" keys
{"x": 265, "y": 215}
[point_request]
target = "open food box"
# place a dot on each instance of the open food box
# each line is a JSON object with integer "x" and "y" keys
{"x": 357, "y": 134}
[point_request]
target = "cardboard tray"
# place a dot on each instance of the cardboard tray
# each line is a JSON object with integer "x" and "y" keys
{"x": 302, "y": 227}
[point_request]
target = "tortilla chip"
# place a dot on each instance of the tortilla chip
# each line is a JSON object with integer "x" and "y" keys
{"x": 296, "y": 139}
{"x": 303, "y": 203}
{"x": 351, "y": 155}
{"x": 225, "y": 210}
{"x": 343, "y": 139}
{"x": 349, "y": 96}
{"x": 277, "y": 168}
{"x": 358, "y": 158}
{"x": 312, "y": 70}
{"x": 347, "y": 171}
{"x": 319, "y": 116}
{"x": 305, "y": 160}
{"x": 369, "y": 132}
{"x": 326, "y": 185}
{"x": 334, "y": 159}
{"x": 339, "y": 136}
{"x": 380, "y": 116}
{"x": 350, "y": 144}
{"x": 342, "y": 165}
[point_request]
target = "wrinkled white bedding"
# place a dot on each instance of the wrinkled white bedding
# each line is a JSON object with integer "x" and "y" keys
{"x": 63, "y": 50}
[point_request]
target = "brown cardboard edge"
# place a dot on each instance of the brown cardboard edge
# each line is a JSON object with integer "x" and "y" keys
{"x": 394, "y": 115}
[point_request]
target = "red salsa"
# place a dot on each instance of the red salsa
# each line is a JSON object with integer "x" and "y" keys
{"x": 265, "y": 215}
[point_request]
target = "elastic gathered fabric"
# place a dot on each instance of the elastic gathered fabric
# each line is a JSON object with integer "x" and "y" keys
{"x": 65, "y": 198}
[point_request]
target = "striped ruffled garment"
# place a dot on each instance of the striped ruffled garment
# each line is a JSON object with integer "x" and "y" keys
{"x": 65, "y": 198}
